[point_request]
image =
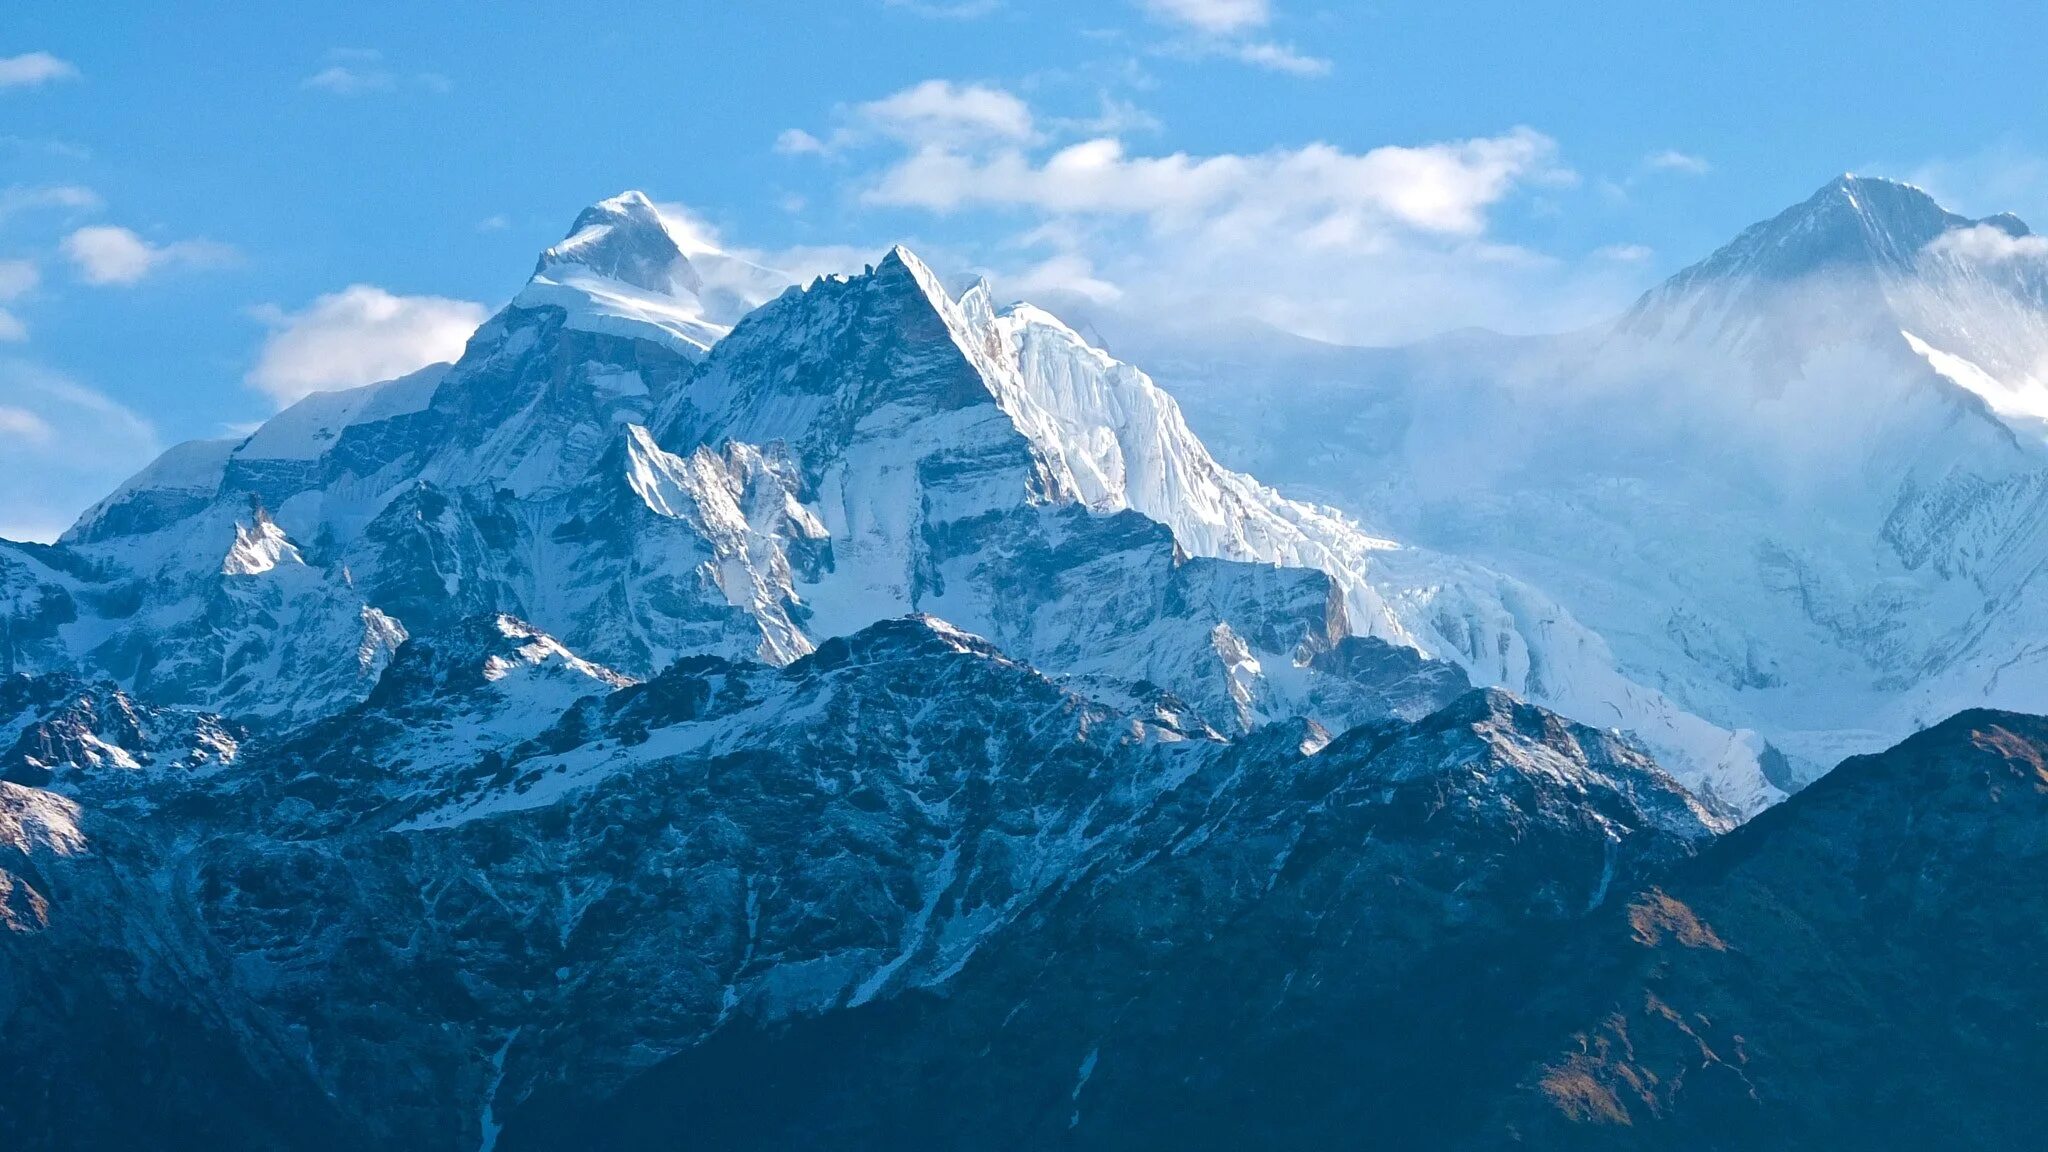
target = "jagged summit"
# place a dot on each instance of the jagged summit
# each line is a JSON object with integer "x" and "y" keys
{"x": 611, "y": 463}
{"x": 624, "y": 263}
{"x": 1851, "y": 224}
{"x": 624, "y": 238}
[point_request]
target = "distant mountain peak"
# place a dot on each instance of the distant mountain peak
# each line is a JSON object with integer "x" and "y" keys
{"x": 1852, "y": 223}
{"x": 625, "y": 238}
{"x": 626, "y": 269}
{"x": 1856, "y": 251}
{"x": 900, "y": 263}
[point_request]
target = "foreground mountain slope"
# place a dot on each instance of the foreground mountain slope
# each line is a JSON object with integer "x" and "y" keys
{"x": 395, "y": 923}
{"x": 1861, "y": 968}
{"x": 1299, "y": 937}
{"x": 510, "y": 872}
{"x": 1400, "y": 944}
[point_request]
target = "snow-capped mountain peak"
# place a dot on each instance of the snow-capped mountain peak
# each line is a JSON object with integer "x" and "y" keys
{"x": 1852, "y": 223}
{"x": 625, "y": 239}
{"x": 626, "y": 270}
{"x": 259, "y": 546}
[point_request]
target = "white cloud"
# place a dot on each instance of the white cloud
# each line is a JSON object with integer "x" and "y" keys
{"x": 1215, "y": 17}
{"x": 738, "y": 278}
{"x": 932, "y": 113}
{"x": 1672, "y": 160}
{"x": 22, "y": 424}
{"x": 105, "y": 254}
{"x": 1315, "y": 191}
{"x": 1624, "y": 253}
{"x": 1221, "y": 28}
{"x": 1116, "y": 118}
{"x": 34, "y": 68}
{"x": 952, "y": 10}
{"x": 108, "y": 255}
{"x": 19, "y": 198}
{"x": 1281, "y": 58}
{"x": 496, "y": 223}
{"x": 797, "y": 142}
{"x": 941, "y": 113}
{"x": 1986, "y": 244}
{"x": 1385, "y": 244}
{"x": 343, "y": 80}
{"x": 359, "y": 335}
{"x": 1064, "y": 272}
{"x": 17, "y": 279}
{"x": 62, "y": 149}
{"x": 362, "y": 71}
{"x": 67, "y": 445}
{"x": 2002, "y": 178}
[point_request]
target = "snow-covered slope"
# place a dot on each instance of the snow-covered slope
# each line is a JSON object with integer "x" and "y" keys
{"x": 1797, "y": 489}
{"x": 1121, "y": 442}
{"x": 622, "y": 271}
{"x": 60, "y": 726}
{"x": 648, "y": 488}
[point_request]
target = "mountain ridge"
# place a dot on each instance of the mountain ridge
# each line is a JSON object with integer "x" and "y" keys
{"x": 785, "y": 515}
{"x": 595, "y": 740}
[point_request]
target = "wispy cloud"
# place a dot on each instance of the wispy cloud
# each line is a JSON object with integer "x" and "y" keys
{"x": 1220, "y": 17}
{"x": 17, "y": 279}
{"x": 62, "y": 149}
{"x": 929, "y": 114}
{"x": 1985, "y": 244}
{"x": 1672, "y": 160}
{"x": 1318, "y": 189}
{"x": 105, "y": 254}
{"x": 66, "y": 445}
{"x": 20, "y": 424}
{"x": 948, "y": 9}
{"x": 363, "y": 72}
{"x": 1280, "y": 58}
{"x": 359, "y": 335}
{"x": 19, "y": 198}
{"x": 797, "y": 142}
{"x": 34, "y": 69}
{"x": 1624, "y": 253}
{"x": 344, "y": 80}
{"x": 2002, "y": 178}
{"x": 1115, "y": 118}
{"x": 940, "y": 113}
{"x": 1225, "y": 28}
{"x": 1385, "y": 243}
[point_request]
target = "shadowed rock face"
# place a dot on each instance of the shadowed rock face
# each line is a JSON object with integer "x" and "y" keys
{"x": 1404, "y": 943}
{"x": 1295, "y": 942}
{"x": 509, "y": 866}
{"x": 1861, "y": 969}
{"x": 509, "y": 875}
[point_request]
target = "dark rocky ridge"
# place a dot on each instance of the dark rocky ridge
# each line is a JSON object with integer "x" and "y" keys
{"x": 1859, "y": 967}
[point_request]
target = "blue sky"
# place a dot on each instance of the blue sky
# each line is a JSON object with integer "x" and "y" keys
{"x": 206, "y": 208}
